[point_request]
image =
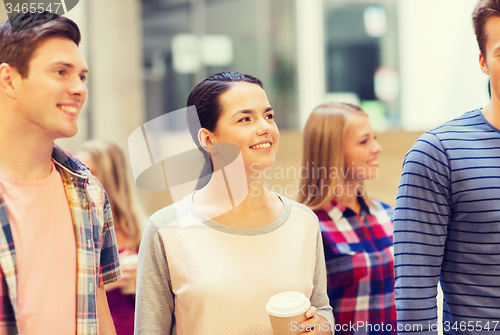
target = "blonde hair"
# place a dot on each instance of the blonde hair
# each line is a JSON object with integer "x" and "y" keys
{"x": 110, "y": 167}
{"x": 324, "y": 151}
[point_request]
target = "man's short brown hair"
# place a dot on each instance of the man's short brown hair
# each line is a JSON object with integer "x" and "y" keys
{"x": 17, "y": 48}
{"x": 484, "y": 10}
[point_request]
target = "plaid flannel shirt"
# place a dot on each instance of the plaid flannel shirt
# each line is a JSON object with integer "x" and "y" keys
{"x": 359, "y": 266}
{"x": 97, "y": 255}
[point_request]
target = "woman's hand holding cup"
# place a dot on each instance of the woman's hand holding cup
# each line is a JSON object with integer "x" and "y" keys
{"x": 315, "y": 324}
{"x": 291, "y": 313}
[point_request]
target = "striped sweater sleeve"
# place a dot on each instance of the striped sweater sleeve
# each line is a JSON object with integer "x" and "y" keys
{"x": 421, "y": 218}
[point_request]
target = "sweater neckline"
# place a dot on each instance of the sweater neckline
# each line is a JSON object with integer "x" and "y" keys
{"x": 202, "y": 218}
{"x": 481, "y": 115}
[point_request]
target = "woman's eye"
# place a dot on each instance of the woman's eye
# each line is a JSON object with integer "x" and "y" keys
{"x": 364, "y": 142}
{"x": 83, "y": 78}
{"x": 244, "y": 119}
{"x": 61, "y": 72}
{"x": 270, "y": 116}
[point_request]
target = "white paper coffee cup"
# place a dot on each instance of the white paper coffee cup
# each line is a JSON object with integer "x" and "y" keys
{"x": 131, "y": 286}
{"x": 287, "y": 311}
{"x": 129, "y": 259}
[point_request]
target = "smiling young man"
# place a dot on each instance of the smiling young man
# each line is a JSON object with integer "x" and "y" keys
{"x": 447, "y": 216}
{"x": 57, "y": 242}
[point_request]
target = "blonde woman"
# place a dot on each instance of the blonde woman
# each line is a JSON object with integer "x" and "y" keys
{"x": 106, "y": 161}
{"x": 340, "y": 152}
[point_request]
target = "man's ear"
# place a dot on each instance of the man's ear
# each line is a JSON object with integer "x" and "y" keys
{"x": 7, "y": 76}
{"x": 482, "y": 64}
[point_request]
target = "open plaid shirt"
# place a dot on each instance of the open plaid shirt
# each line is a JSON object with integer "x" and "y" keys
{"x": 359, "y": 266}
{"x": 97, "y": 255}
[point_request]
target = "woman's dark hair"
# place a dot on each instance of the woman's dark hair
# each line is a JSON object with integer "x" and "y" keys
{"x": 205, "y": 98}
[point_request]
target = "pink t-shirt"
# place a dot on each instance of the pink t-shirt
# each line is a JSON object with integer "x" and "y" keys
{"x": 45, "y": 245}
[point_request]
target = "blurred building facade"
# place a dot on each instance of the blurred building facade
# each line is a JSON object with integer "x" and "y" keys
{"x": 410, "y": 64}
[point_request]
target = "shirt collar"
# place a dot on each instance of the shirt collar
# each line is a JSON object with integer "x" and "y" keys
{"x": 69, "y": 162}
{"x": 348, "y": 212}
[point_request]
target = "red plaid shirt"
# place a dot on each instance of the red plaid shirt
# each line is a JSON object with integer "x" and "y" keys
{"x": 359, "y": 265}
{"x": 97, "y": 255}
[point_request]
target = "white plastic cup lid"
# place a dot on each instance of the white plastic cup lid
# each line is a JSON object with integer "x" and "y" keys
{"x": 287, "y": 304}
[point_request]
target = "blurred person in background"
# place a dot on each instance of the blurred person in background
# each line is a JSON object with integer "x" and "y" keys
{"x": 447, "y": 214}
{"x": 340, "y": 152}
{"x": 57, "y": 236}
{"x": 106, "y": 161}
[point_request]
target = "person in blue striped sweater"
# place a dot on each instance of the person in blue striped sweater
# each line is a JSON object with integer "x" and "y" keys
{"x": 447, "y": 214}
